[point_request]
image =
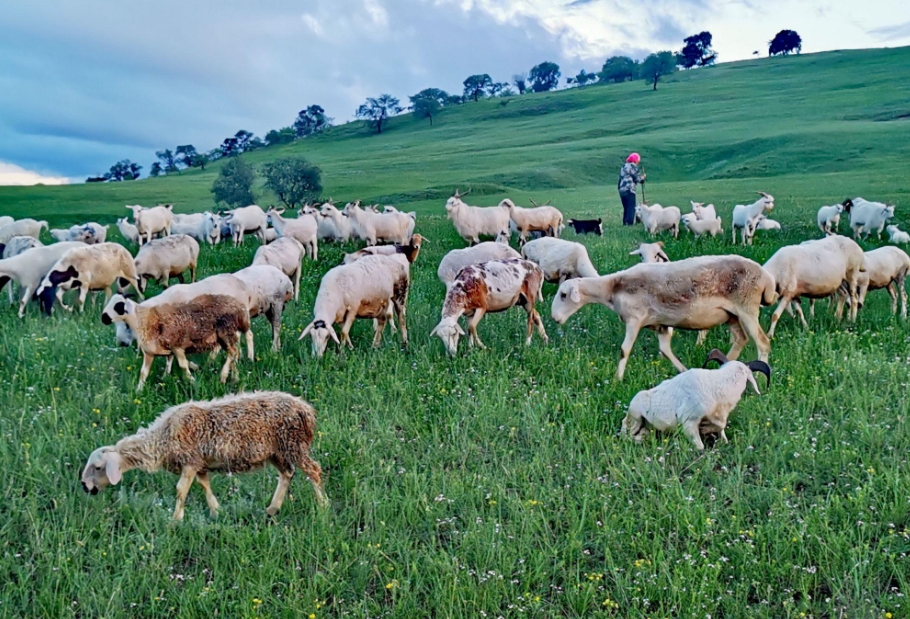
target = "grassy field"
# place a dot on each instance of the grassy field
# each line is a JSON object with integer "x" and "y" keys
{"x": 494, "y": 484}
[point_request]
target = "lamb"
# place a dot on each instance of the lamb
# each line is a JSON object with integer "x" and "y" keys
{"x": 245, "y": 220}
{"x": 161, "y": 259}
{"x": 897, "y": 235}
{"x": 95, "y": 233}
{"x": 29, "y": 268}
{"x": 340, "y": 225}
{"x": 651, "y": 252}
{"x": 269, "y": 291}
{"x": 371, "y": 287}
{"x": 699, "y": 227}
{"x": 390, "y": 227}
{"x": 585, "y": 226}
{"x": 457, "y": 259}
{"x": 885, "y": 267}
{"x": 234, "y": 434}
{"x": 743, "y": 215}
{"x": 492, "y": 286}
{"x": 865, "y": 217}
{"x": 558, "y": 259}
{"x": 542, "y": 218}
{"x": 129, "y": 231}
{"x": 204, "y": 227}
{"x": 699, "y": 400}
{"x": 409, "y": 251}
{"x": 473, "y": 221}
{"x": 164, "y": 329}
{"x": 303, "y": 229}
{"x": 73, "y": 233}
{"x": 703, "y": 212}
{"x": 696, "y": 293}
{"x": 828, "y": 217}
{"x": 815, "y": 269}
{"x": 92, "y": 267}
{"x": 150, "y": 221}
{"x": 285, "y": 254}
{"x": 763, "y": 223}
{"x": 21, "y": 227}
{"x": 656, "y": 218}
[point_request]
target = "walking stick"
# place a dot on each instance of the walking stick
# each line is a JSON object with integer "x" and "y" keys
{"x": 643, "y": 199}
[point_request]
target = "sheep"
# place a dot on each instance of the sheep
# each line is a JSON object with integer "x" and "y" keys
{"x": 558, "y": 259}
{"x": 744, "y": 214}
{"x": 699, "y": 227}
{"x": 21, "y": 227}
{"x": 410, "y": 251}
{"x": 699, "y": 400}
{"x": 95, "y": 233}
{"x": 325, "y": 227}
{"x": 885, "y": 267}
{"x": 815, "y": 269}
{"x": 129, "y": 231}
{"x": 269, "y": 291}
{"x": 897, "y": 235}
{"x": 585, "y": 226}
{"x": 828, "y": 217}
{"x": 161, "y": 259}
{"x": 390, "y": 227}
{"x": 696, "y": 293}
{"x": 492, "y": 286}
{"x": 6, "y": 220}
{"x": 371, "y": 287}
{"x": 865, "y": 216}
{"x": 73, "y": 233}
{"x": 90, "y": 267}
{"x": 457, "y": 259}
{"x": 247, "y": 219}
{"x": 473, "y": 221}
{"x": 20, "y": 244}
{"x": 656, "y": 218}
{"x": 150, "y": 221}
{"x": 165, "y": 329}
{"x": 341, "y": 225}
{"x": 304, "y": 229}
{"x": 204, "y": 227}
{"x": 285, "y": 254}
{"x": 651, "y": 252}
{"x": 29, "y": 268}
{"x": 703, "y": 212}
{"x": 234, "y": 434}
{"x": 542, "y": 218}
{"x": 763, "y": 223}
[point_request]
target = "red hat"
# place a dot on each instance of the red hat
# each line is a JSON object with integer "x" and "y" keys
{"x": 633, "y": 158}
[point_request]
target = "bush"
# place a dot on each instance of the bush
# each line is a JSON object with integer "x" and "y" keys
{"x": 234, "y": 185}
{"x": 294, "y": 180}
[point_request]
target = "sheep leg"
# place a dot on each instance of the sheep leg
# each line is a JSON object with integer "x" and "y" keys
{"x": 26, "y": 296}
{"x": 690, "y": 429}
{"x": 59, "y": 296}
{"x": 147, "y": 360}
{"x": 781, "y": 307}
{"x": 315, "y": 246}
{"x": 702, "y": 336}
{"x": 378, "y": 327}
{"x": 169, "y": 365}
{"x": 900, "y": 284}
{"x": 228, "y": 367}
{"x": 798, "y": 306}
{"x": 752, "y": 327}
{"x": 312, "y": 470}
{"x": 401, "y": 310}
{"x": 193, "y": 273}
{"x": 632, "y": 329}
{"x": 346, "y": 328}
{"x": 738, "y": 337}
{"x": 284, "y": 482}
{"x": 297, "y": 283}
{"x": 203, "y": 479}
{"x": 273, "y": 314}
{"x": 664, "y": 335}
{"x": 183, "y": 487}
{"x": 543, "y": 332}
{"x": 180, "y": 354}
{"x": 472, "y": 328}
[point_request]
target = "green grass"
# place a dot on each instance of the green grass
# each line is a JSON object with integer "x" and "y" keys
{"x": 494, "y": 484}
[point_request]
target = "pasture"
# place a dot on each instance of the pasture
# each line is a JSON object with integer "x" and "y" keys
{"x": 494, "y": 484}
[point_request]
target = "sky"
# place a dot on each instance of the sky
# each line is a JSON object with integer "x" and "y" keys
{"x": 85, "y": 84}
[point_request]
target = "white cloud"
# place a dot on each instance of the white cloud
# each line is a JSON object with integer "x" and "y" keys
{"x": 11, "y": 174}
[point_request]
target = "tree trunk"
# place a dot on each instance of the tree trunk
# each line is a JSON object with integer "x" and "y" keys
{"x": 656, "y": 77}
{"x": 431, "y": 121}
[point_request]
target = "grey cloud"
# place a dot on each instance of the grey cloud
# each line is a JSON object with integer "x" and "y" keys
{"x": 892, "y": 33}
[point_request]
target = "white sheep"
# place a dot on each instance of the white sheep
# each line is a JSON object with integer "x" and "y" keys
{"x": 866, "y": 217}
{"x": 340, "y": 229}
{"x": 699, "y": 227}
{"x": 325, "y": 227}
{"x": 374, "y": 227}
{"x": 21, "y": 227}
{"x": 558, "y": 259}
{"x": 95, "y": 233}
{"x": 828, "y": 217}
{"x": 696, "y": 293}
{"x": 886, "y": 267}
{"x": 285, "y": 254}
{"x": 73, "y": 233}
{"x": 304, "y": 229}
{"x": 6, "y": 220}
{"x": 897, "y": 235}
{"x": 151, "y": 221}
{"x": 703, "y": 212}
{"x": 651, "y": 252}
{"x": 656, "y": 218}
{"x": 699, "y": 400}
{"x": 234, "y": 434}
{"x": 204, "y": 227}
{"x": 473, "y": 221}
{"x": 129, "y": 231}
{"x": 744, "y": 216}
{"x": 29, "y": 268}
{"x": 18, "y": 245}
{"x": 457, "y": 259}
{"x": 371, "y": 287}
{"x": 269, "y": 291}
{"x": 161, "y": 259}
{"x": 545, "y": 219}
{"x": 247, "y": 220}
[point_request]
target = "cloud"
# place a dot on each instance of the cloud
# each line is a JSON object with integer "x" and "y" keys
{"x": 892, "y": 33}
{"x": 11, "y": 174}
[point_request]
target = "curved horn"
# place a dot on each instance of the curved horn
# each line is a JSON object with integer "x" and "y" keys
{"x": 715, "y": 355}
{"x": 763, "y": 194}
{"x": 761, "y": 366}
{"x": 533, "y": 202}
{"x": 548, "y": 202}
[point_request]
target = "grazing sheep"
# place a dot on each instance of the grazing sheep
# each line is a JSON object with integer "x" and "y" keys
{"x": 19, "y": 244}
{"x": 492, "y": 286}
{"x": 285, "y": 254}
{"x": 21, "y": 227}
{"x": 152, "y": 221}
{"x": 457, "y": 259}
{"x": 91, "y": 267}
{"x": 247, "y": 220}
{"x": 161, "y": 259}
{"x": 269, "y": 291}
{"x": 373, "y": 227}
{"x": 586, "y": 226}
{"x": 6, "y": 220}
{"x": 558, "y": 259}
{"x": 696, "y": 293}
{"x": 865, "y": 217}
{"x": 897, "y": 235}
{"x": 200, "y": 325}
{"x": 204, "y": 227}
{"x": 699, "y": 400}
{"x": 828, "y": 217}
{"x": 885, "y": 267}
{"x": 409, "y": 251}
{"x": 698, "y": 227}
{"x": 656, "y": 218}
{"x": 95, "y": 233}
{"x": 703, "y": 212}
{"x": 371, "y": 287}
{"x": 234, "y": 434}
{"x": 473, "y": 221}
{"x": 815, "y": 269}
{"x": 29, "y": 268}
{"x": 744, "y": 216}
{"x": 73, "y": 233}
{"x": 651, "y": 252}
{"x": 129, "y": 231}
{"x": 545, "y": 219}
{"x": 303, "y": 229}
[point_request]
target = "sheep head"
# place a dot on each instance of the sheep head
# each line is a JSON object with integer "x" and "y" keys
{"x": 567, "y": 301}
{"x": 320, "y": 332}
{"x": 448, "y": 331}
{"x": 103, "y": 469}
{"x": 117, "y": 309}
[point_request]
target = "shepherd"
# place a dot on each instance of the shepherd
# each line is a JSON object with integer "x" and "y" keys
{"x": 629, "y": 176}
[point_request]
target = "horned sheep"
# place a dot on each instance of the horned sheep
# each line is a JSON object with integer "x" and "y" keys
{"x": 546, "y": 219}
{"x": 161, "y": 259}
{"x": 558, "y": 259}
{"x": 473, "y": 221}
{"x": 151, "y": 221}
{"x": 304, "y": 229}
{"x": 333, "y": 224}
{"x": 744, "y": 216}
{"x": 373, "y": 227}
{"x": 866, "y": 217}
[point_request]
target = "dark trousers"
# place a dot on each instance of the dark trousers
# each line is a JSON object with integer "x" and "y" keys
{"x": 628, "y": 208}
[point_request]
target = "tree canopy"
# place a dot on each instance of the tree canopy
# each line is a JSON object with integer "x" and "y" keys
{"x": 294, "y": 180}
{"x": 618, "y": 69}
{"x": 377, "y": 110}
{"x": 284, "y": 135}
{"x": 311, "y": 120}
{"x": 521, "y": 82}
{"x": 426, "y": 104}
{"x": 124, "y": 170}
{"x": 657, "y": 65}
{"x": 697, "y": 51}
{"x": 475, "y": 86}
{"x": 234, "y": 185}
{"x": 784, "y": 43}
{"x": 544, "y": 77}
{"x": 581, "y": 79}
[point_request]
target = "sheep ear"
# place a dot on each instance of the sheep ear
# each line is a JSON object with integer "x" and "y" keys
{"x": 459, "y": 329}
{"x": 120, "y": 308}
{"x": 751, "y": 380}
{"x": 575, "y": 295}
{"x": 435, "y": 329}
{"x": 112, "y": 467}
{"x": 306, "y": 331}
{"x": 333, "y": 334}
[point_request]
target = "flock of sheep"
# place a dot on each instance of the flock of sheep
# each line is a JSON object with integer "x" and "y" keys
{"x": 241, "y": 432}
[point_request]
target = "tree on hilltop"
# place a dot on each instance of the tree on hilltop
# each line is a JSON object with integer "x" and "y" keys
{"x": 475, "y": 86}
{"x": 618, "y": 69}
{"x": 657, "y": 65}
{"x": 234, "y": 185}
{"x": 784, "y": 43}
{"x": 697, "y": 51}
{"x": 544, "y": 77}
{"x": 377, "y": 110}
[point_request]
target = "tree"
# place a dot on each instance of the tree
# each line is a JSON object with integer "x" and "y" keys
{"x": 230, "y": 147}
{"x": 285, "y": 135}
{"x": 424, "y": 106}
{"x": 377, "y": 111}
{"x": 124, "y": 170}
{"x": 455, "y": 100}
{"x": 155, "y": 171}
{"x": 544, "y": 77}
{"x": 168, "y": 161}
{"x": 521, "y": 82}
{"x": 187, "y": 155}
{"x": 311, "y": 120}
{"x": 214, "y": 155}
{"x": 785, "y": 42}
{"x": 440, "y": 96}
{"x": 294, "y": 180}
{"x": 697, "y": 51}
{"x": 618, "y": 69}
{"x": 582, "y": 78}
{"x": 475, "y": 85}
{"x": 243, "y": 138}
{"x": 657, "y": 65}
{"x": 234, "y": 185}
{"x": 496, "y": 89}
